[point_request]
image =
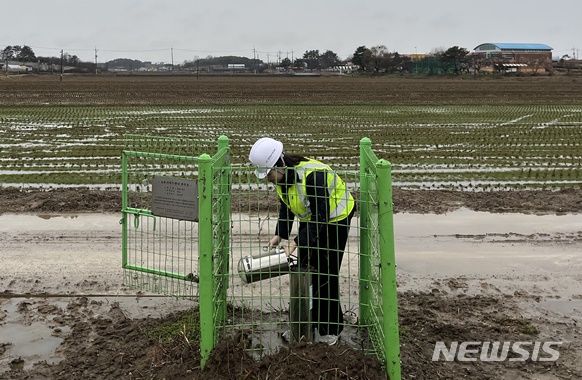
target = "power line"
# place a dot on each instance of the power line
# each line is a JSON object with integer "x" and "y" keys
{"x": 133, "y": 51}
{"x": 58, "y": 49}
{"x": 148, "y": 50}
{"x": 91, "y": 49}
{"x": 246, "y": 52}
{"x": 212, "y": 51}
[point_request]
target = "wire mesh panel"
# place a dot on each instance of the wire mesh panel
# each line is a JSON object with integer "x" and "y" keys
{"x": 371, "y": 291}
{"x": 159, "y": 253}
{"x": 213, "y": 248}
{"x": 341, "y": 277}
{"x": 221, "y": 231}
{"x": 274, "y": 298}
{"x": 257, "y": 307}
{"x": 172, "y": 145}
{"x": 305, "y": 256}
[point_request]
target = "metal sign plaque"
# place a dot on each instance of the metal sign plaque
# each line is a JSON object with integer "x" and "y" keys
{"x": 175, "y": 198}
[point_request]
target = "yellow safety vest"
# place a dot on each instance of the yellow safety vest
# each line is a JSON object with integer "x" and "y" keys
{"x": 341, "y": 202}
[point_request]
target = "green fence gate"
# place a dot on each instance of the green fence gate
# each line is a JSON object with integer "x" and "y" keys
{"x": 235, "y": 218}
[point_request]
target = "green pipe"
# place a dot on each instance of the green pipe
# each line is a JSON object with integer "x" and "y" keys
{"x": 388, "y": 271}
{"x": 205, "y": 259}
{"x": 222, "y": 162}
{"x": 370, "y": 158}
{"x": 365, "y": 251}
{"x": 131, "y": 153}
{"x": 123, "y": 221}
{"x": 137, "y": 211}
{"x": 189, "y": 277}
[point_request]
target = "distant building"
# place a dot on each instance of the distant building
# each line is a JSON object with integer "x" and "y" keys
{"x": 347, "y": 68}
{"x": 236, "y": 66}
{"x": 415, "y": 57}
{"x": 514, "y": 57}
{"x": 15, "y": 68}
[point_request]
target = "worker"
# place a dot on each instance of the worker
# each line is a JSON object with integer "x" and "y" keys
{"x": 311, "y": 191}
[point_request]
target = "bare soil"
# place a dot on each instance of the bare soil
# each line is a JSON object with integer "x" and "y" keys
{"x": 13, "y": 200}
{"x": 111, "y": 345}
{"x": 188, "y": 90}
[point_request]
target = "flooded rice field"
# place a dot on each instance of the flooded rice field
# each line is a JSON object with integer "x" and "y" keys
{"x": 467, "y": 148}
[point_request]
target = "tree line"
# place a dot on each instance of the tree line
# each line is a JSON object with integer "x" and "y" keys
{"x": 26, "y": 54}
{"x": 375, "y": 59}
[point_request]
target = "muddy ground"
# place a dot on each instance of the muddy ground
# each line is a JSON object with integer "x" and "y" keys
{"x": 420, "y": 201}
{"x": 464, "y": 275}
{"x": 100, "y": 341}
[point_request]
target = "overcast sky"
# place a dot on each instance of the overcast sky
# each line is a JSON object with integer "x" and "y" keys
{"x": 147, "y": 29}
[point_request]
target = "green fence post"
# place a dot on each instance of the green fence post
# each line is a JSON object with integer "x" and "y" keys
{"x": 388, "y": 270}
{"x": 124, "y": 181}
{"x": 223, "y": 143}
{"x": 205, "y": 259}
{"x": 365, "y": 252}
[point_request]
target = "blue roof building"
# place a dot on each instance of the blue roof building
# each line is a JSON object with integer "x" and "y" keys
{"x": 513, "y": 48}
{"x": 514, "y": 57}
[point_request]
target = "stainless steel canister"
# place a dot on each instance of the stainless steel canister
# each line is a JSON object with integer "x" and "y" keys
{"x": 273, "y": 263}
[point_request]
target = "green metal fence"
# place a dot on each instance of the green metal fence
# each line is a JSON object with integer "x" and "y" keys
{"x": 237, "y": 215}
{"x": 378, "y": 291}
{"x": 214, "y": 224}
{"x": 158, "y": 253}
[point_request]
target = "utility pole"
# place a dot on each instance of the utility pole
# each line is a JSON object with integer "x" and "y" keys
{"x": 278, "y": 57}
{"x": 292, "y": 60}
{"x": 172, "y": 54}
{"x": 197, "y": 68}
{"x": 61, "y": 78}
{"x": 255, "y": 59}
{"x": 95, "y": 60}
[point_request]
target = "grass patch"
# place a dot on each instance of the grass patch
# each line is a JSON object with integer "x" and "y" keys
{"x": 528, "y": 328}
{"x": 184, "y": 324}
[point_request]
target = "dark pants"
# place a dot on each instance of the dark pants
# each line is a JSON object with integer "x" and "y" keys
{"x": 325, "y": 262}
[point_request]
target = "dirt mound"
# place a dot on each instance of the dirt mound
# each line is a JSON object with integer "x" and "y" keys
{"x": 302, "y": 361}
{"x": 59, "y": 200}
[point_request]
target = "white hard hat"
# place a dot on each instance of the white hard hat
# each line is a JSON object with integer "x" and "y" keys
{"x": 264, "y": 155}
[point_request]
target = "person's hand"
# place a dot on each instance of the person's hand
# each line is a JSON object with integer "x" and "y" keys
{"x": 275, "y": 241}
{"x": 290, "y": 248}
